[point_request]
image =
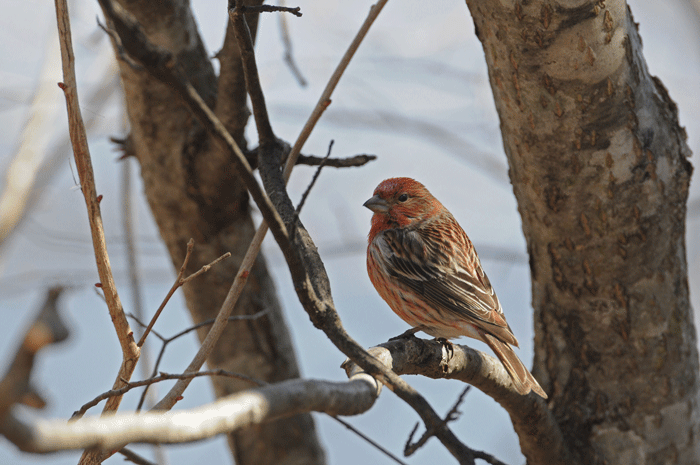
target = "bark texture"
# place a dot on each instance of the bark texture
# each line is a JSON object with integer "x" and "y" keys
{"x": 599, "y": 167}
{"x": 194, "y": 192}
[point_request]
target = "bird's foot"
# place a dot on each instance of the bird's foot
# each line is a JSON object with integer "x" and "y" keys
{"x": 407, "y": 334}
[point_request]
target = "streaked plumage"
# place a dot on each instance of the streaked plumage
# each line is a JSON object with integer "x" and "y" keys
{"x": 425, "y": 267}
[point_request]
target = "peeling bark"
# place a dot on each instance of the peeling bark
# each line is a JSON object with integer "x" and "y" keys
{"x": 599, "y": 167}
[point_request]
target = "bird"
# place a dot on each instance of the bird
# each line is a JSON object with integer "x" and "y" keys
{"x": 422, "y": 263}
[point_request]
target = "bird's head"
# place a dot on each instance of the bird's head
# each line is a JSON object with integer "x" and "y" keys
{"x": 402, "y": 201}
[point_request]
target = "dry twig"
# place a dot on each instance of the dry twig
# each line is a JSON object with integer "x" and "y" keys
{"x": 357, "y": 160}
{"x": 179, "y": 282}
{"x": 296, "y": 11}
{"x": 156, "y": 379}
{"x": 288, "y": 54}
{"x": 132, "y": 456}
{"x": 412, "y": 447}
{"x": 167, "y": 341}
{"x": 130, "y": 352}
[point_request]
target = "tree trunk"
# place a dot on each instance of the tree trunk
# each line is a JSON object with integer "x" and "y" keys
{"x": 599, "y": 167}
{"x": 194, "y": 193}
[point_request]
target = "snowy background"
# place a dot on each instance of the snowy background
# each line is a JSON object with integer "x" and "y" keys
{"x": 416, "y": 95}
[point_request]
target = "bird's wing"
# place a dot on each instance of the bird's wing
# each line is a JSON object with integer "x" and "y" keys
{"x": 421, "y": 265}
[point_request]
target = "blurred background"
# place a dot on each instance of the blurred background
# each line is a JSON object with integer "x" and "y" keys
{"x": 416, "y": 95}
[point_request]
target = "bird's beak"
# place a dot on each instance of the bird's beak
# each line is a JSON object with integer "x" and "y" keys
{"x": 377, "y": 204}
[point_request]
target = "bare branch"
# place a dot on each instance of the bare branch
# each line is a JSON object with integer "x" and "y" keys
{"x": 180, "y": 281}
{"x": 530, "y": 414}
{"x": 167, "y": 341}
{"x": 163, "y": 65}
{"x": 173, "y": 288}
{"x": 130, "y": 352}
{"x": 452, "y": 415}
{"x": 242, "y": 9}
{"x": 268, "y": 141}
{"x": 156, "y": 379}
{"x": 205, "y": 268}
{"x": 121, "y": 53}
{"x": 305, "y": 195}
{"x": 307, "y": 269}
{"x": 369, "y": 440}
{"x": 230, "y": 413}
{"x": 357, "y": 160}
{"x": 132, "y": 456}
{"x": 288, "y": 54}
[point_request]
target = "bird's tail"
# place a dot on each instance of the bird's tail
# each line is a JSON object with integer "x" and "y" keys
{"x": 521, "y": 376}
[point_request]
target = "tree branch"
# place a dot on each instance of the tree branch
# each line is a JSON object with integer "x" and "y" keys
{"x": 230, "y": 413}
{"x": 163, "y": 65}
{"x": 308, "y": 272}
{"x": 537, "y": 428}
{"x": 156, "y": 379}
{"x": 179, "y": 282}
{"x": 296, "y": 11}
{"x": 288, "y": 54}
{"x": 167, "y": 341}
{"x": 357, "y": 160}
{"x": 130, "y": 352}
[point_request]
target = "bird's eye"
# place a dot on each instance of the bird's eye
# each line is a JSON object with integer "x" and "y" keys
{"x": 403, "y": 197}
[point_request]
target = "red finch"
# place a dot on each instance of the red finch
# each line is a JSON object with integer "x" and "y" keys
{"x": 425, "y": 267}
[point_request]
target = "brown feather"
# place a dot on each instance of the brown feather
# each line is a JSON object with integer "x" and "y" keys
{"x": 522, "y": 379}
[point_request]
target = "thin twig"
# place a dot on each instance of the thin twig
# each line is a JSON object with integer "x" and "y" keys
{"x": 453, "y": 414}
{"x": 130, "y": 351}
{"x": 132, "y": 456}
{"x": 244, "y": 39}
{"x": 306, "y": 193}
{"x": 410, "y": 448}
{"x": 157, "y": 379}
{"x": 205, "y": 268}
{"x": 173, "y": 288}
{"x": 130, "y": 251}
{"x": 288, "y": 53}
{"x": 179, "y": 282}
{"x": 167, "y": 341}
{"x": 369, "y": 440}
{"x": 121, "y": 53}
{"x": 134, "y": 280}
